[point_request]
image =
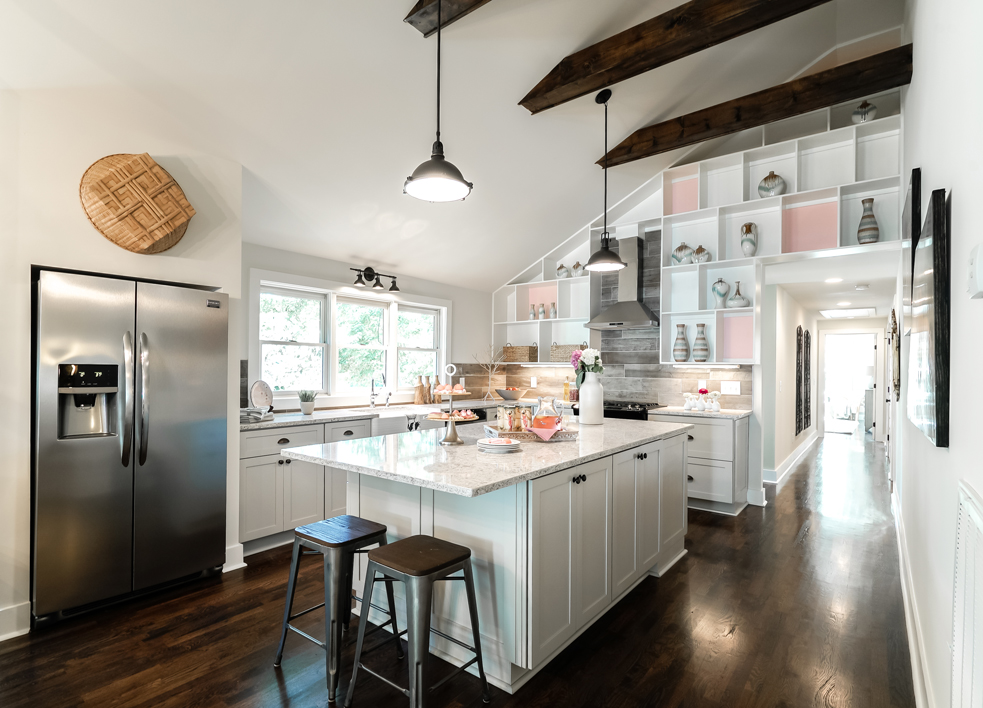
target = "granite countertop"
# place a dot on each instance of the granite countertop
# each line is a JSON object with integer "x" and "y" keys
{"x": 728, "y": 413}
{"x": 340, "y": 415}
{"x": 419, "y": 459}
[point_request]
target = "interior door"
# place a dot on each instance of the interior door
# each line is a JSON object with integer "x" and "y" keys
{"x": 83, "y": 484}
{"x": 181, "y": 433}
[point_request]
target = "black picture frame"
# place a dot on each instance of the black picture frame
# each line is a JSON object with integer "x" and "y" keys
{"x": 798, "y": 380}
{"x": 911, "y": 224}
{"x": 928, "y": 358}
{"x": 807, "y": 380}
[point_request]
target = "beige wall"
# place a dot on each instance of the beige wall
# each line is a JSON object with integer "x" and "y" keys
{"x": 47, "y": 140}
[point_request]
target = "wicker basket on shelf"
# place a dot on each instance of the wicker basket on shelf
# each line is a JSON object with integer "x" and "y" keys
{"x": 563, "y": 352}
{"x": 520, "y": 354}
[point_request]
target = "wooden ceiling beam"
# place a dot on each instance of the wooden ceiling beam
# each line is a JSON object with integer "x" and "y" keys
{"x": 684, "y": 30}
{"x": 848, "y": 82}
{"x": 423, "y": 16}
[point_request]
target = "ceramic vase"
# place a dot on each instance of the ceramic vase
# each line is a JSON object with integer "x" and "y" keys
{"x": 864, "y": 112}
{"x": 682, "y": 254}
{"x": 591, "y": 400}
{"x": 578, "y": 270}
{"x": 771, "y": 186}
{"x": 716, "y": 406}
{"x": 720, "y": 289}
{"x": 532, "y": 312}
{"x": 701, "y": 404}
{"x": 688, "y": 405}
{"x": 701, "y": 347}
{"x": 542, "y": 311}
{"x": 562, "y": 271}
{"x": 749, "y": 239}
{"x": 307, "y": 407}
{"x": 868, "y": 232}
{"x": 680, "y": 348}
{"x": 701, "y": 255}
{"x": 552, "y": 310}
{"x": 737, "y": 300}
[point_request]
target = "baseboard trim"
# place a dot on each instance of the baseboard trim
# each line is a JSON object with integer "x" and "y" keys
{"x": 921, "y": 683}
{"x": 15, "y": 620}
{"x": 233, "y": 558}
{"x": 778, "y": 475}
{"x": 756, "y": 497}
{"x": 658, "y": 572}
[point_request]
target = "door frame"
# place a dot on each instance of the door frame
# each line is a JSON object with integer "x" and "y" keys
{"x": 879, "y": 390}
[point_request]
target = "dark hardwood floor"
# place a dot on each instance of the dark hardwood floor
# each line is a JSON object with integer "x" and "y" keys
{"x": 795, "y": 604}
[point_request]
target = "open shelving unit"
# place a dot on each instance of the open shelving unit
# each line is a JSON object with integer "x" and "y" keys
{"x": 829, "y": 165}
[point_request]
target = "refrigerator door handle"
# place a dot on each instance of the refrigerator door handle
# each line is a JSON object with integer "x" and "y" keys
{"x": 144, "y": 362}
{"x": 126, "y": 439}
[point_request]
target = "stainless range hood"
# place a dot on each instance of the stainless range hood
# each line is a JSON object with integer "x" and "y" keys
{"x": 629, "y": 312}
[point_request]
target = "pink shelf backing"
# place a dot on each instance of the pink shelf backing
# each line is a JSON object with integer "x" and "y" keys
{"x": 738, "y": 338}
{"x": 685, "y": 195}
{"x": 810, "y": 228}
{"x": 539, "y": 294}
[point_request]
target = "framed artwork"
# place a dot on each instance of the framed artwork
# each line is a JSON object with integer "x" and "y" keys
{"x": 911, "y": 220}
{"x": 807, "y": 380}
{"x": 928, "y": 358}
{"x": 798, "y": 380}
{"x": 895, "y": 357}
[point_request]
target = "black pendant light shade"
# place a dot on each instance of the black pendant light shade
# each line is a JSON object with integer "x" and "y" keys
{"x": 359, "y": 283}
{"x": 437, "y": 180}
{"x": 605, "y": 260}
{"x": 393, "y": 288}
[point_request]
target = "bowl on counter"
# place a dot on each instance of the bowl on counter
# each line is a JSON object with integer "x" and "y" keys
{"x": 511, "y": 395}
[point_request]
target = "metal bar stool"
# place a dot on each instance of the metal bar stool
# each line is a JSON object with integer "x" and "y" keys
{"x": 338, "y": 539}
{"x": 419, "y": 562}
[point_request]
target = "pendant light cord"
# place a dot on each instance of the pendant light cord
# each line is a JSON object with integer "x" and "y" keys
{"x": 438, "y": 71}
{"x": 606, "y": 237}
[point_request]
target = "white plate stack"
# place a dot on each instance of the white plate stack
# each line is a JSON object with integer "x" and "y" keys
{"x": 498, "y": 445}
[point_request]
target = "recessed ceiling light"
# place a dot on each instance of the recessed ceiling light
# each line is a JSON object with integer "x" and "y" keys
{"x": 843, "y": 304}
{"x": 862, "y": 286}
{"x": 848, "y": 314}
{"x": 834, "y": 280}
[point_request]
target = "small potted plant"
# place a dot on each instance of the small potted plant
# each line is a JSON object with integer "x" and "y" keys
{"x": 307, "y": 401}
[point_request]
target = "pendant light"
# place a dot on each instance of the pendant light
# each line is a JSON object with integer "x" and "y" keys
{"x": 437, "y": 180}
{"x": 605, "y": 260}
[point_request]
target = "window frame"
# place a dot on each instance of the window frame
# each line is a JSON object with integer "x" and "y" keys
{"x": 385, "y": 306}
{"x": 301, "y": 293}
{"x": 436, "y": 339}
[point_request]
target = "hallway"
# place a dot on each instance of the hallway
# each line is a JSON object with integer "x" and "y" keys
{"x": 795, "y": 604}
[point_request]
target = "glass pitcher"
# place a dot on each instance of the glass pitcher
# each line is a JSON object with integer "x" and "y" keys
{"x": 546, "y": 415}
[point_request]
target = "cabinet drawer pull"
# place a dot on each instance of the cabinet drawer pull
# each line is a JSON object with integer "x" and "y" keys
{"x": 689, "y": 478}
{"x": 583, "y": 478}
{"x": 690, "y": 437}
{"x": 349, "y": 432}
{"x": 283, "y": 441}
{"x": 288, "y": 462}
{"x": 279, "y": 462}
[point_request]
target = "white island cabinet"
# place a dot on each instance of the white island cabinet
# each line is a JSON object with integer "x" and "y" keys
{"x": 559, "y": 532}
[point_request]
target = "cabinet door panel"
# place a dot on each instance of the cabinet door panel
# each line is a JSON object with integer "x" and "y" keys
{"x": 303, "y": 493}
{"x": 648, "y": 503}
{"x": 260, "y": 497}
{"x": 712, "y": 480}
{"x": 672, "y": 460}
{"x": 593, "y": 533}
{"x": 335, "y": 492}
{"x": 551, "y": 543}
{"x": 624, "y": 554}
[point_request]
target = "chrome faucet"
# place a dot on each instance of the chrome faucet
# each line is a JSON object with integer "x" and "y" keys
{"x": 389, "y": 394}
{"x": 372, "y": 395}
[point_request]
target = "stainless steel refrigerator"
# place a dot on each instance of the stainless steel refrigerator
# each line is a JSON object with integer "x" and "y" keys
{"x": 130, "y": 437}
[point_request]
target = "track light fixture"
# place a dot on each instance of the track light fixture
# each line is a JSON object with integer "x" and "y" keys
{"x": 369, "y": 275}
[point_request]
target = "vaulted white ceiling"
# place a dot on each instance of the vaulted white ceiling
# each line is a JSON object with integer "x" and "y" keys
{"x": 329, "y": 105}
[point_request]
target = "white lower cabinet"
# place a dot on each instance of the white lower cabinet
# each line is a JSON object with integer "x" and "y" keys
{"x": 260, "y": 497}
{"x": 303, "y": 493}
{"x": 637, "y": 514}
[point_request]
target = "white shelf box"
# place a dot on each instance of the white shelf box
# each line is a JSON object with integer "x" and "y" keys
{"x": 780, "y": 159}
{"x": 503, "y": 304}
{"x": 731, "y": 273}
{"x": 680, "y": 289}
{"x": 797, "y": 127}
{"x": 879, "y": 149}
{"x": 573, "y": 298}
{"x": 697, "y": 228}
{"x": 535, "y": 294}
{"x": 735, "y": 336}
{"x": 722, "y": 181}
{"x": 886, "y": 194}
{"x": 810, "y": 221}
{"x": 888, "y": 104}
{"x": 765, "y": 214}
{"x": 567, "y": 332}
{"x": 681, "y": 189}
{"x": 668, "y": 336}
{"x": 827, "y": 159}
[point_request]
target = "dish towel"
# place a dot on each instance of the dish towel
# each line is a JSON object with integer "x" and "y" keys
{"x": 544, "y": 433}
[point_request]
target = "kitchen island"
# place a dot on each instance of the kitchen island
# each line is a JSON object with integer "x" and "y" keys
{"x": 559, "y": 531}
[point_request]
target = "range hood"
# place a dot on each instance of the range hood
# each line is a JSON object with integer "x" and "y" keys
{"x": 629, "y": 312}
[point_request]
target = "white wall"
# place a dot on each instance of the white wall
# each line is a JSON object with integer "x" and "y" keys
{"x": 942, "y": 136}
{"x": 47, "y": 140}
{"x": 781, "y": 315}
{"x": 471, "y": 311}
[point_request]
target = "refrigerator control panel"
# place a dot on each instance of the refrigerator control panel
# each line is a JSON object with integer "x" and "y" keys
{"x": 75, "y": 376}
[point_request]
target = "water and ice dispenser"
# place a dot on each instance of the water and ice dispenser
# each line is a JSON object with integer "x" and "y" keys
{"x": 87, "y": 400}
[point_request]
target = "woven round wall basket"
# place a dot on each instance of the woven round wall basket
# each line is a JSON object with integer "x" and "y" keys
{"x": 135, "y": 203}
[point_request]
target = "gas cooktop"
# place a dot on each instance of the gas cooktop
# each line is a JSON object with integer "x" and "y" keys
{"x": 628, "y": 409}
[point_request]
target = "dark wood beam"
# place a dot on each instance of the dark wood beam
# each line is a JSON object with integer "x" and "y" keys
{"x": 687, "y": 29}
{"x": 857, "y": 79}
{"x": 423, "y": 16}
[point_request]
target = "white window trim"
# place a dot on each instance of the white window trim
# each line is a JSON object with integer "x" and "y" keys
{"x": 259, "y": 278}
{"x": 325, "y": 344}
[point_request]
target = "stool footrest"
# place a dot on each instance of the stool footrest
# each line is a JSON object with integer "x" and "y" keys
{"x": 451, "y": 639}
{"x": 404, "y": 691}
{"x": 304, "y": 612}
{"x": 306, "y": 636}
{"x": 452, "y": 674}
{"x": 383, "y": 643}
